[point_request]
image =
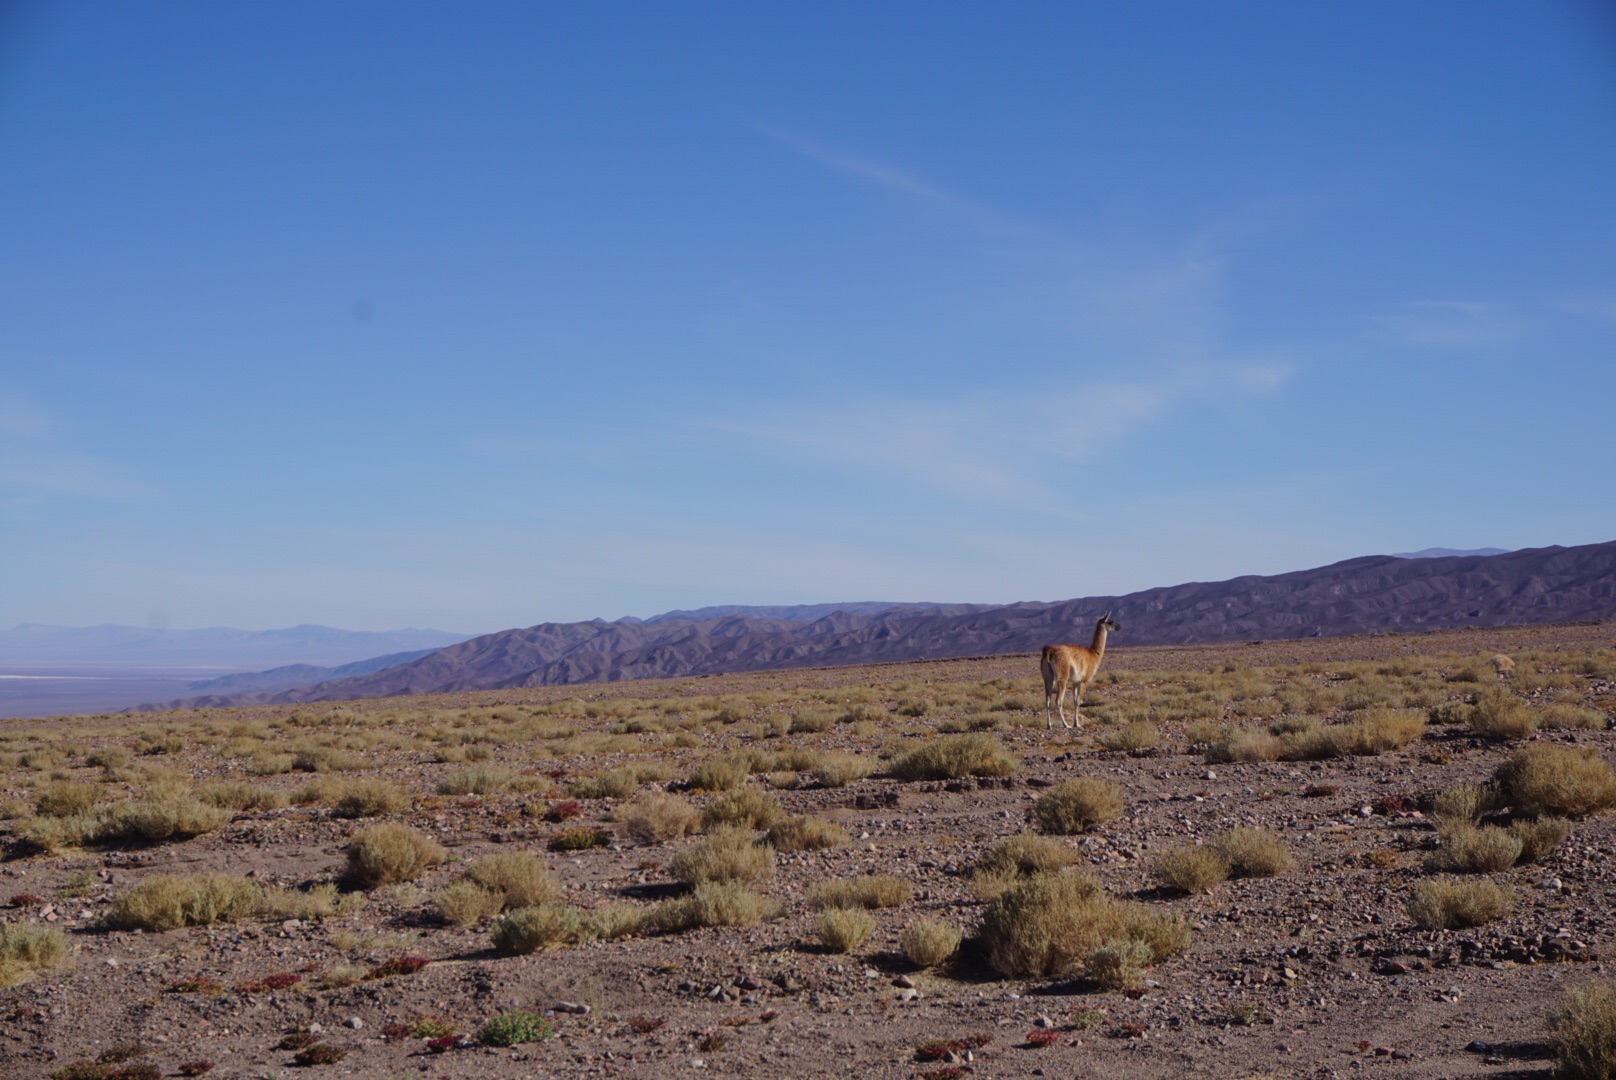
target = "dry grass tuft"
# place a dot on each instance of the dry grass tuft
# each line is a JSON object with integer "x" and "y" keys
{"x": 1120, "y": 964}
{"x": 954, "y": 756}
{"x": 530, "y": 929}
{"x": 389, "y": 853}
{"x": 65, "y": 798}
{"x": 519, "y": 878}
{"x": 1467, "y": 849}
{"x": 1077, "y": 806}
{"x": 26, "y": 949}
{"x": 1139, "y": 736}
{"x": 928, "y": 942}
{"x": 1456, "y": 903}
{"x": 726, "y": 854}
{"x": 466, "y": 903}
{"x": 1193, "y": 868}
{"x": 720, "y": 774}
{"x": 1253, "y": 852}
{"x": 1466, "y": 802}
{"x": 170, "y": 901}
{"x": 655, "y": 817}
{"x": 369, "y": 798}
{"x": 1051, "y": 924}
{"x": 476, "y": 780}
{"x": 1571, "y": 717}
{"x": 240, "y": 796}
{"x": 715, "y": 903}
{"x": 1583, "y": 1031}
{"x": 807, "y": 833}
{"x": 1245, "y": 744}
{"x": 870, "y": 891}
{"x": 1540, "y": 838}
{"x": 745, "y": 806}
{"x": 1499, "y": 714}
{"x": 1377, "y": 731}
{"x": 1026, "y": 854}
{"x": 843, "y": 929}
{"x": 838, "y": 770}
{"x": 1558, "y": 781}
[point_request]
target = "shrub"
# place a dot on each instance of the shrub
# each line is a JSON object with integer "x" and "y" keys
{"x": 475, "y": 780}
{"x": 843, "y": 929}
{"x": 530, "y": 929}
{"x": 1377, "y": 731}
{"x": 748, "y": 806}
{"x": 579, "y": 839}
{"x": 1120, "y": 965}
{"x": 370, "y": 798}
{"x": 1193, "y": 868}
{"x": 319, "y": 1054}
{"x": 1499, "y": 714}
{"x": 170, "y": 901}
{"x": 163, "y": 814}
{"x": 726, "y": 854}
{"x": 954, "y": 756}
{"x": 389, "y": 853}
{"x": 65, "y": 798}
{"x": 715, "y": 903}
{"x": 518, "y": 877}
{"x": 1051, "y": 924}
{"x": 465, "y": 903}
{"x": 1077, "y": 806}
{"x": 813, "y": 719}
{"x": 838, "y": 770}
{"x": 238, "y": 795}
{"x": 1026, "y": 854}
{"x": 1245, "y": 744}
{"x": 26, "y": 949}
{"x": 613, "y": 920}
{"x": 928, "y": 942}
{"x": 1466, "y": 802}
{"x": 1455, "y": 903}
{"x": 1566, "y": 717}
{"x": 1253, "y": 852}
{"x": 1558, "y": 781}
{"x": 515, "y": 1027}
{"x": 720, "y": 774}
{"x": 655, "y": 817}
{"x": 325, "y": 759}
{"x": 1539, "y": 838}
{"x": 806, "y": 833}
{"x": 870, "y": 891}
{"x": 1136, "y": 737}
{"x": 1583, "y": 1032}
{"x": 613, "y": 785}
{"x": 1466, "y": 849}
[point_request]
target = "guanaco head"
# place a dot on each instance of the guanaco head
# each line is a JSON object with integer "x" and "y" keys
{"x": 1111, "y": 625}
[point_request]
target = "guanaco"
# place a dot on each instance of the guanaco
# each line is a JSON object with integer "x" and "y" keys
{"x": 1073, "y": 667}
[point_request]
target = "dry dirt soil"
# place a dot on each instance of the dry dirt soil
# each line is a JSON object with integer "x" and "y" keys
{"x": 1316, "y": 972}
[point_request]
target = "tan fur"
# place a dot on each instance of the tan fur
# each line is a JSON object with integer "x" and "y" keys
{"x": 1503, "y": 665}
{"x": 1072, "y": 667}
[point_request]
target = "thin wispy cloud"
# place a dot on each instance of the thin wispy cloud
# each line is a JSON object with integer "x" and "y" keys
{"x": 893, "y": 178}
{"x": 34, "y": 464}
{"x": 1448, "y": 324}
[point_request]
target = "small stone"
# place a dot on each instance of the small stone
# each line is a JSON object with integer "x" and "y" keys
{"x": 750, "y": 982}
{"x": 1492, "y": 1059}
{"x": 1290, "y": 973}
{"x": 904, "y": 981}
{"x": 1210, "y": 775}
{"x": 572, "y": 1007}
{"x": 292, "y": 924}
{"x": 315, "y": 1029}
{"x": 1476, "y": 1046}
{"x": 1043, "y": 1022}
{"x": 1402, "y": 1055}
{"x": 353, "y": 1022}
{"x": 1366, "y": 811}
{"x": 111, "y": 962}
{"x": 908, "y": 993}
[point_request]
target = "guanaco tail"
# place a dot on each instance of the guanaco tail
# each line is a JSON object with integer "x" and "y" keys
{"x": 1072, "y": 667}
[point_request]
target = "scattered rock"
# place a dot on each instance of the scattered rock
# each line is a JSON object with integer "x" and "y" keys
{"x": 353, "y": 1022}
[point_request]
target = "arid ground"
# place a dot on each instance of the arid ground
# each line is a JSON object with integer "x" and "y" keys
{"x": 1349, "y": 754}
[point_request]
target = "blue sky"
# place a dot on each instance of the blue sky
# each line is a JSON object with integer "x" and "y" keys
{"x": 475, "y": 316}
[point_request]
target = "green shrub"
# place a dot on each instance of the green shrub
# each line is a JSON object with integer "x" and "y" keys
{"x": 530, "y": 929}
{"x": 515, "y": 1027}
{"x": 1051, "y": 924}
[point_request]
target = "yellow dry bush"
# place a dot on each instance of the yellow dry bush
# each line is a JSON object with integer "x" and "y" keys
{"x": 170, "y": 901}
{"x": 838, "y": 770}
{"x": 519, "y": 877}
{"x": 389, "y": 853}
{"x": 26, "y": 949}
{"x": 655, "y": 817}
{"x": 720, "y": 774}
{"x": 1077, "y": 806}
{"x": 713, "y": 903}
{"x": 1050, "y": 925}
{"x": 240, "y": 796}
{"x": 870, "y": 891}
{"x": 1467, "y": 849}
{"x": 844, "y": 929}
{"x": 928, "y": 942}
{"x": 955, "y": 756}
{"x": 476, "y": 780}
{"x": 530, "y": 929}
{"x": 1456, "y": 903}
{"x": 466, "y": 903}
{"x": 806, "y": 833}
{"x": 745, "y": 806}
{"x": 726, "y": 854}
{"x": 1583, "y": 1031}
{"x": 1138, "y": 736}
{"x": 1193, "y": 868}
{"x": 1559, "y": 781}
{"x": 1499, "y": 714}
{"x": 1026, "y": 854}
{"x": 1252, "y": 852}
{"x": 64, "y": 798}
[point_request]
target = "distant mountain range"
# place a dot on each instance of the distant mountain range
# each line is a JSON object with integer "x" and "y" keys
{"x": 1375, "y": 594}
{"x": 1445, "y": 553}
{"x": 220, "y": 648}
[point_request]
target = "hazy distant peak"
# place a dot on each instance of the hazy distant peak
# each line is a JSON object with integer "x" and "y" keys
{"x": 1447, "y": 553}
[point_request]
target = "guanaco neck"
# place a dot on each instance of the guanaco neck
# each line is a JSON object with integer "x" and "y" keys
{"x": 1098, "y": 645}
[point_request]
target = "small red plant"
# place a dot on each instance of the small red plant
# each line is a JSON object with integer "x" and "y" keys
{"x": 557, "y": 774}
{"x": 1392, "y": 805}
{"x": 937, "y": 1049}
{"x": 282, "y": 979}
{"x": 196, "y": 1068}
{"x": 644, "y": 1025}
{"x": 770, "y": 1015}
{"x": 319, "y": 1054}
{"x": 947, "y": 1072}
{"x": 395, "y": 1031}
{"x": 1321, "y": 791}
{"x": 136, "y": 1070}
{"x": 1040, "y": 1038}
{"x": 565, "y": 810}
{"x": 443, "y": 1043}
{"x": 399, "y": 965}
{"x": 26, "y": 899}
{"x": 1363, "y": 1045}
